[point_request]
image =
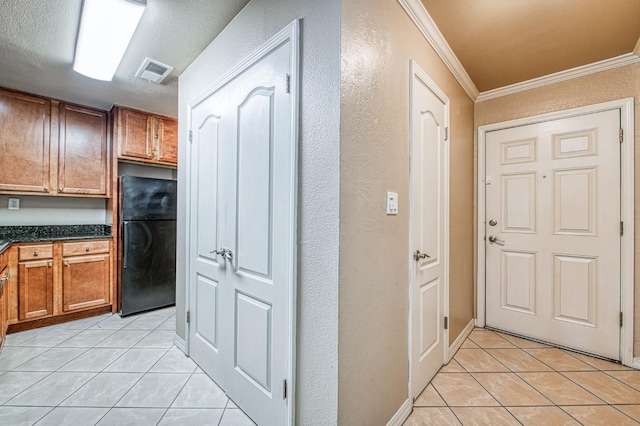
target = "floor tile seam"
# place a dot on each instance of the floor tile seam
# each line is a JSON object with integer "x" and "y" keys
{"x": 93, "y": 346}
{"x": 430, "y": 383}
{"x": 485, "y": 389}
{"x": 28, "y": 387}
{"x": 617, "y": 379}
{"x": 163, "y": 414}
{"x": 572, "y": 381}
{"x": 541, "y": 361}
{"x": 127, "y": 391}
{"x": 587, "y": 390}
{"x": 516, "y": 371}
{"x": 54, "y": 347}
{"x": 154, "y": 364}
{"x": 503, "y": 407}
{"x": 523, "y": 381}
{"x": 497, "y": 360}
{"x": 45, "y": 414}
{"x": 561, "y": 407}
{"x": 183, "y": 386}
{"x": 128, "y": 347}
{"x": 620, "y": 411}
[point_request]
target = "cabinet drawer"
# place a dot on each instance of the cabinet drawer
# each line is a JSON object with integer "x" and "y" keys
{"x": 85, "y": 247}
{"x": 41, "y": 251}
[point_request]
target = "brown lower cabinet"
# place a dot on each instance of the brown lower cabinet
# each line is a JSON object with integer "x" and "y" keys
{"x": 85, "y": 282}
{"x": 4, "y": 279}
{"x": 60, "y": 278}
{"x": 35, "y": 289}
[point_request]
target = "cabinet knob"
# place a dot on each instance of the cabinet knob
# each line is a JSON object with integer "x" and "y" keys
{"x": 66, "y": 263}
{"x": 36, "y": 252}
{"x": 87, "y": 247}
{"x": 49, "y": 264}
{"x": 60, "y": 189}
{"x": 45, "y": 188}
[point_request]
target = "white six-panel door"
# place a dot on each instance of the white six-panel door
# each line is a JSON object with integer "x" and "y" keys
{"x": 242, "y": 217}
{"x": 553, "y": 231}
{"x": 429, "y": 189}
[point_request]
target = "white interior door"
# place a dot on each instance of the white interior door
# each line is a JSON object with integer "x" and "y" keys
{"x": 553, "y": 232}
{"x": 243, "y": 173}
{"x": 429, "y": 189}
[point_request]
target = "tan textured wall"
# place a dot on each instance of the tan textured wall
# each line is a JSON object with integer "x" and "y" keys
{"x": 605, "y": 86}
{"x": 378, "y": 39}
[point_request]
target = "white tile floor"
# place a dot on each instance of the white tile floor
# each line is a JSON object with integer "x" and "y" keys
{"x": 108, "y": 370}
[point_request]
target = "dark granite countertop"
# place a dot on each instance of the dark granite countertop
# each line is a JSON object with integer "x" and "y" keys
{"x": 29, "y": 234}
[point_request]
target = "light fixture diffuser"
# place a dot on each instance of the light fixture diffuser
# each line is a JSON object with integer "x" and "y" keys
{"x": 106, "y": 28}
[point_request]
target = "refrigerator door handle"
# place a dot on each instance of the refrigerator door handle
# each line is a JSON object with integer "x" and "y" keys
{"x": 125, "y": 243}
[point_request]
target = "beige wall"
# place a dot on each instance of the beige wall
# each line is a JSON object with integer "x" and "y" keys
{"x": 605, "y": 86}
{"x": 378, "y": 39}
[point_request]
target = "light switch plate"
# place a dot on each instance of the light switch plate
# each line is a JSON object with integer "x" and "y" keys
{"x": 392, "y": 203}
{"x": 14, "y": 204}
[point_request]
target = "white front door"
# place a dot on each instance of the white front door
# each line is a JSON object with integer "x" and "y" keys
{"x": 429, "y": 189}
{"x": 242, "y": 261}
{"x": 553, "y": 232}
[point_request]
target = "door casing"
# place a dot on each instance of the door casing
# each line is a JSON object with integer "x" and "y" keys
{"x": 290, "y": 34}
{"x": 626, "y": 211}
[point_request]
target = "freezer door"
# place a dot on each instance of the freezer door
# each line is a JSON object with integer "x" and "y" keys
{"x": 148, "y": 199}
{"x": 148, "y": 265}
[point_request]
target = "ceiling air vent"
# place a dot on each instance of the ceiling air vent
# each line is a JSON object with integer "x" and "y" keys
{"x": 153, "y": 71}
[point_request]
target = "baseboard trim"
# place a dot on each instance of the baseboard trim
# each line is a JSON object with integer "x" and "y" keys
{"x": 180, "y": 343}
{"x": 402, "y": 414}
{"x": 460, "y": 339}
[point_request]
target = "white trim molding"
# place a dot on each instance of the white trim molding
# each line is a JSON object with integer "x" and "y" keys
{"x": 460, "y": 340}
{"x": 627, "y": 209}
{"x": 581, "y": 71}
{"x": 180, "y": 344}
{"x": 419, "y": 15}
{"x": 402, "y": 414}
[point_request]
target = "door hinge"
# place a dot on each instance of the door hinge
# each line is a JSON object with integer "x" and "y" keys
{"x": 446, "y": 133}
{"x": 446, "y": 323}
{"x": 188, "y": 317}
{"x": 190, "y": 135}
{"x": 620, "y": 319}
{"x": 621, "y": 135}
{"x": 288, "y": 83}
{"x": 284, "y": 389}
{"x": 621, "y": 228}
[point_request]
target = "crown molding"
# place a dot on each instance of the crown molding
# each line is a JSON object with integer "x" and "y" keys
{"x": 581, "y": 71}
{"x": 419, "y": 15}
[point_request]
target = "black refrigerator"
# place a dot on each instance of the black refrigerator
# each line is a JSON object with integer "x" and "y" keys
{"x": 147, "y": 278}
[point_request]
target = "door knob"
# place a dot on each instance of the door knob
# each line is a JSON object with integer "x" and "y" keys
{"x": 226, "y": 253}
{"x": 493, "y": 222}
{"x": 495, "y": 240}
{"x": 417, "y": 255}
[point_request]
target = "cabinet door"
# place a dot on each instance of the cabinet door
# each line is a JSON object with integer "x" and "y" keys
{"x": 135, "y": 134}
{"x": 3, "y": 304}
{"x": 24, "y": 143}
{"x": 167, "y": 141}
{"x": 82, "y": 158}
{"x": 35, "y": 289}
{"x": 85, "y": 282}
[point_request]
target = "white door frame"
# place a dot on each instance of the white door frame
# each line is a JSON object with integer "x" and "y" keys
{"x": 417, "y": 72}
{"x": 626, "y": 211}
{"x": 290, "y": 34}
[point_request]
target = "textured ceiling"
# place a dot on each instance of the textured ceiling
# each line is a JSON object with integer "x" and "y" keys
{"x": 38, "y": 38}
{"x": 501, "y": 42}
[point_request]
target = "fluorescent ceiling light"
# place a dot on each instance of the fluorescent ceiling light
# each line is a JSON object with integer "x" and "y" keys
{"x": 106, "y": 28}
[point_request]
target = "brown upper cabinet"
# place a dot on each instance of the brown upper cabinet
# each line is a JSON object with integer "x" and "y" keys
{"x": 82, "y": 153}
{"x": 144, "y": 137}
{"x": 52, "y": 148}
{"x": 25, "y": 123}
